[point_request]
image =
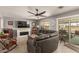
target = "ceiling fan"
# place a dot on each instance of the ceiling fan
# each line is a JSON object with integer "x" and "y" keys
{"x": 37, "y": 13}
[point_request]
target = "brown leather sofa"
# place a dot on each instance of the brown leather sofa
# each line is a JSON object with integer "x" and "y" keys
{"x": 43, "y": 44}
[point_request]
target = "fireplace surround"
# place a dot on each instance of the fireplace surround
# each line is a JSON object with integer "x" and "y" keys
{"x": 24, "y": 33}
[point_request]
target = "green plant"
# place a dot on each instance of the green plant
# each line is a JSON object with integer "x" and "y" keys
{"x": 1, "y": 33}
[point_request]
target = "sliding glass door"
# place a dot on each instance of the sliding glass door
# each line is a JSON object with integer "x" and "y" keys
{"x": 74, "y": 30}
{"x": 69, "y": 30}
{"x": 64, "y": 29}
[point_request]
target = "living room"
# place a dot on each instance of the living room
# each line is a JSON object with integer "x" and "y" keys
{"x": 18, "y": 23}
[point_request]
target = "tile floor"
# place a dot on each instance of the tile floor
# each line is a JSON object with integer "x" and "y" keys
{"x": 63, "y": 49}
{"x": 22, "y": 47}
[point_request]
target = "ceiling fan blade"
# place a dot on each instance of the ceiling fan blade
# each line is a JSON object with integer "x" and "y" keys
{"x": 30, "y": 12}
{"x": 36, "y": 12}
{"x": 42, "y": 13}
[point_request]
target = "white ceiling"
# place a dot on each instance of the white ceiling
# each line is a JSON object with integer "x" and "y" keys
{"x": 21, "y": 11}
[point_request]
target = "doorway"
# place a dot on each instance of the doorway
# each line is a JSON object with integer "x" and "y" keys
{"x": 68, "y": 28}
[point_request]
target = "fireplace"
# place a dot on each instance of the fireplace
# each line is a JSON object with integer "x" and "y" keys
{"x": 24, "y": 33}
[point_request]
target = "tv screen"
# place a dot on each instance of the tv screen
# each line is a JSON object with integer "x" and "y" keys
{"x": 21, "y": 24}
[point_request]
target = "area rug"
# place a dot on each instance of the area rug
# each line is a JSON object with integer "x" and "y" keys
{"x": 6, "y": 51}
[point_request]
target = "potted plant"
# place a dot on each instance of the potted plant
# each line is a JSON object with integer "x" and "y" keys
{"x": 1, "y": 33}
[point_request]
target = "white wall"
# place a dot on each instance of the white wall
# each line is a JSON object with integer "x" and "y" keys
{"x": 67, "y": 14}
{"x": 51, "y": 20}
{"x": 6, "y": 19}
{"x": 70, "y": 13}
{"x": 0, "y": 24}
{"x": 5, "y": 24}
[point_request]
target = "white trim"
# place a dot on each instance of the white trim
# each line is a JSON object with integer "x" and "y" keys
{"x": 2, "y": 23}
{"x": 57, "y": 25}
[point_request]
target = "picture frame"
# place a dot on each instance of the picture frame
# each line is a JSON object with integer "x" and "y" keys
{"x": 10, "y": 22}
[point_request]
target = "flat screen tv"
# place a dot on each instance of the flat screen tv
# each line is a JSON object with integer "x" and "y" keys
{"x": 22, "y": 24}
